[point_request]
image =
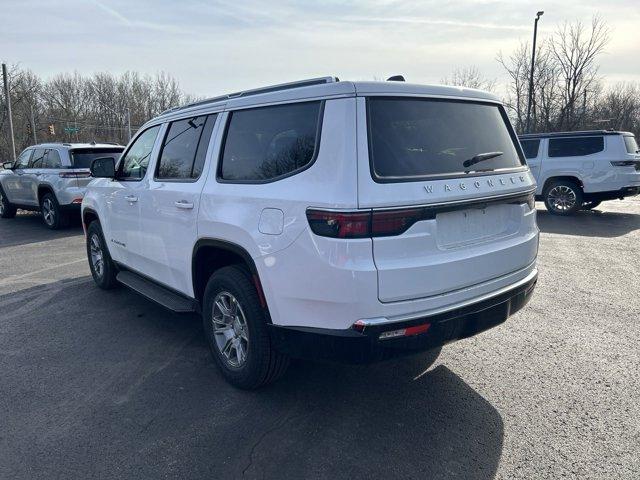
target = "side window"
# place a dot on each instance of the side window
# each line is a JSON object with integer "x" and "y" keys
{"x": 23, "y": 160}
{"x": 266, "y": 143}
{"x": 184, "y": 148}
{"x": 133, "y": 165}
{"x": 575, "y": 147}
{"x": 530, "y": 148}
{"x": 37, "y": 161}
{"x": 52, "y": 159}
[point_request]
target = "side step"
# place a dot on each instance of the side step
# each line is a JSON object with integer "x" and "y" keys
{"x": 157, "y": 293}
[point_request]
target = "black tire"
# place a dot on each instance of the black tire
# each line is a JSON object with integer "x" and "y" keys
{"x": 563, "y": 197}
{"x": 105, "y": 277}
{"x": 590, "y": 205}
{"x": 52, "y": 215}
{"x": 6, "y": 209}
{"x": 261, "y": 363}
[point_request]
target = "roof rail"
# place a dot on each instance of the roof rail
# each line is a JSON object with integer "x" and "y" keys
{"x": 256, "y": 91}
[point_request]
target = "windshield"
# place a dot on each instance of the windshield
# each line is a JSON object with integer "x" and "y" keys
{"x": 631, "y": 144}
{"x": 83, "y": 157}
{"x": 415, "y": 138}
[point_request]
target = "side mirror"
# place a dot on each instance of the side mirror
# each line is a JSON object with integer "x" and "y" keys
{"x": 104, "y": 167}
{"x": 7, "y": 165}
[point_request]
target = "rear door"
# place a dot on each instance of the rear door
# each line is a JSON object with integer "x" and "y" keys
{"x": 29, "y": 179}
{"x": 448, "y": 189}
{"x": 169, "y": 206}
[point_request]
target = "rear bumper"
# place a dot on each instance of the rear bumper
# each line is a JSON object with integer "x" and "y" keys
{"x": 612, "y": 195}
{"x": 365, "y": 346}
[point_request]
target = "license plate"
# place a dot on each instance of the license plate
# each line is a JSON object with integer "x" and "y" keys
{"x": 472, "y": 226}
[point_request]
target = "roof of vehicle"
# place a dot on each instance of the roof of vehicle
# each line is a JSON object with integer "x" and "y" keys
{"x": 581, "y": 133}
{"x": 323, "y": 87}
{"x": 71, "y": 146}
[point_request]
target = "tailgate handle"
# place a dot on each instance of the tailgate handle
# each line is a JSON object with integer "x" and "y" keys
{"x": 184, "y": 205}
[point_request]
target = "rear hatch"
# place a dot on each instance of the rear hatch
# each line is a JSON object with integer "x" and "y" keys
{"x": 450, "y": 192}
{"x": 82, "y": 158}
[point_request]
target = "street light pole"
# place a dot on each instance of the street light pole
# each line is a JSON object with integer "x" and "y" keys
{"x": 533, "y": 62}
{"x": 129, "y": 122}
{"x": 7, "y": 97}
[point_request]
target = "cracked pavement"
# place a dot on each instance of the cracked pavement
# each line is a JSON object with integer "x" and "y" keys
{"x": 100, "y": 384}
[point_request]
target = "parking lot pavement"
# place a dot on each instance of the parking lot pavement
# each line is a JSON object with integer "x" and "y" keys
{"x": 98, "y": 384}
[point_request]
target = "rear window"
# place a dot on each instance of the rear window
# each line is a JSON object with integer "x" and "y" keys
{"x": 630, "y": 144}
{"x": 83, "y": 157}
{"x": 414, "y": 138}
{"x": 530, "y": 148}
{"x": 575, "y": 146}
{"x": 266, "y": 143}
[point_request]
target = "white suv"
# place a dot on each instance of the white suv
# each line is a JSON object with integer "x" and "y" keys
{"x": 322, "y": 219}
{"x": 578, "y": 170}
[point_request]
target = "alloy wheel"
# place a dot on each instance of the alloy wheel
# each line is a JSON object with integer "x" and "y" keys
{"x": 48, "y": 211}
{"x": 97, "y": 257}
{"x": 562, "y": 198}
{"x": 230, "y": 329}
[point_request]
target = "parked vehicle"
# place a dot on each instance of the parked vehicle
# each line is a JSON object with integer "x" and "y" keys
{"x": 578, "y": 170}
{"x": 50, "y": 178}
{"x": 352, "y": 221}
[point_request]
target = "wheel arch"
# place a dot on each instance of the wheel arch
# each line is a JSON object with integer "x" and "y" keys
{"x": 568, "y": 178}
{"x": 88, "y": 216}
{"x": 210, "y": 254}
{"x": 43, "y": 189}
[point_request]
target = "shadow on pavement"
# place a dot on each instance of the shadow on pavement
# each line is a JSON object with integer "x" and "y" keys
{"x": 28, "y": 227}
{"x": 589, "y": 223}
{"x": 102, "y": 382}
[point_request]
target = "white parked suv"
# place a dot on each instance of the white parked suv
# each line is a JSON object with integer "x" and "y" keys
{"x": 578, "y": 170}
{"x": 51, "y": 178}
{"x": 353, "y": 221}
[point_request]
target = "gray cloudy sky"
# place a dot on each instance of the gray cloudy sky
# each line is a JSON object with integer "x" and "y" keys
{"x": 217, "y": 46}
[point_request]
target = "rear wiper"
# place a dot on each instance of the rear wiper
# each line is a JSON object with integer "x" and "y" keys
{"x": 481, "y": 157}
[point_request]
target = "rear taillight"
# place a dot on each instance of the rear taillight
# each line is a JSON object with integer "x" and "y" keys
{"x": 74, "y": 174}
{"x": 365, "y": 224}
{"x": 339, "y": 224}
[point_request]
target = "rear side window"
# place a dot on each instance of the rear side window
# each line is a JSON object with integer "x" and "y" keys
{"x": 530, "y": 148}
{"x": 52, "y": 159}
{"x": 184, "y": 148}
{"x": 412, "y": 138}
{"x": 575, "y": 147}
{"x": 84, "y": 157}
{"x": 267, "y": 143}
{"x": 630, "y": 144}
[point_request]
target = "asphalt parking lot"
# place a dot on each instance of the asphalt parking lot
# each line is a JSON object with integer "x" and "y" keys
{"x": 98, "y": 384}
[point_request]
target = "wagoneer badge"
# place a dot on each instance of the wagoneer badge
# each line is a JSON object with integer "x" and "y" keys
{"x": 477, "y": 184}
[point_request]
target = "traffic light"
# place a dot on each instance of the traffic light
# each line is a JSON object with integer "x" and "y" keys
{"x": 52, "y": 130}
{"x": 29, "y": 128}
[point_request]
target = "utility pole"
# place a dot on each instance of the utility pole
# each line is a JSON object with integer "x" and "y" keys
{"x": 33, "y": 127}
{"x": 129, "y": 122}
{"x": 8, "y": 100}
{"x": 533, "y": 62}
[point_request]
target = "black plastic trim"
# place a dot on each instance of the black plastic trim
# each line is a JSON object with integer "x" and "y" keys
{"x": 351, "y": 346}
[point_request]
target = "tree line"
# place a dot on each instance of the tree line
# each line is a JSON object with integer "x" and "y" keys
{"x": 569, "y": 94}
{"x": 72, "y": 107}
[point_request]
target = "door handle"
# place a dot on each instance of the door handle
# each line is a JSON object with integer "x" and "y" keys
{"x": 184, "y": 204}
{"x": 131, "y": 198}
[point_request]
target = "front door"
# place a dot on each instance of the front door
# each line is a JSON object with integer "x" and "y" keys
{"x": 169, "y": 206}
{"x": 123, "y": 200}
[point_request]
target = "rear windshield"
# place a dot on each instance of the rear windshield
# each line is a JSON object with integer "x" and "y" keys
{"x": 410, "y": 138}
{"x": 83, "y": 157}
{"x": 631, "y": 144}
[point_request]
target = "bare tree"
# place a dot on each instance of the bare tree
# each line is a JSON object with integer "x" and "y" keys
{"x": 469, "y": 77}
